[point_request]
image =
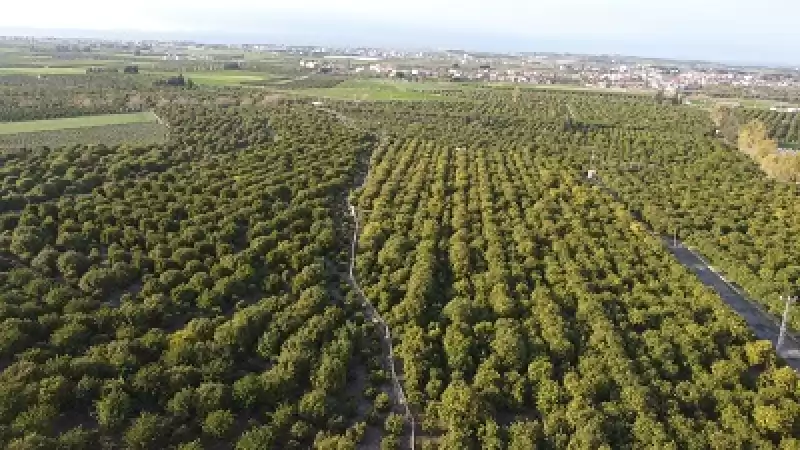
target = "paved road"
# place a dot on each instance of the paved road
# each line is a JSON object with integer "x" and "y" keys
{"x": 764, "y": 325}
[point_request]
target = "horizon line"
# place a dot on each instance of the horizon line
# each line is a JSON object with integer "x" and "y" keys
{"x": 214, "y": 37}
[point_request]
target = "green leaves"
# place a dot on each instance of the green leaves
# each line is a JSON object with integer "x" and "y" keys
{"x": 114, "y": 408}
{"x": 206, "y": 278}
{"x": 145, "y": 432}
{"x": 27, "y": 241}
{"x": 218, "y": 424}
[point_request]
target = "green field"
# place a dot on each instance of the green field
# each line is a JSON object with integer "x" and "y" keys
{"x": 41, "y": 70}
{"x": 571, "y": 87}
{"x": 755, "y": 103}
{"x": 139, "y": 133}
{"x": 379, "y": 90}
{"x": 75, "y": 122}
{"x": 389, "y": 89}
{"x": 419, "y": 86}
{"x": 209, "y": 78}
{"x": 220, "y": 77}
{"x": 761, "y": 103}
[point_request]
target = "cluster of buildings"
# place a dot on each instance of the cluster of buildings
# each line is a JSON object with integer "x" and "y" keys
{"x": 551, "y": 70}
{"x": 609, "y": 71}
{"x": 696, "y": 79}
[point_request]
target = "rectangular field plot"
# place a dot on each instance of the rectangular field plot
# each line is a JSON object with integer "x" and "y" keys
{"x": 222, "y": 77}
{"x": 75, "y": 122}
{"x": 42, "y": 70}
{"x": 115, "y": 134}
{"x": 377, "y": 90}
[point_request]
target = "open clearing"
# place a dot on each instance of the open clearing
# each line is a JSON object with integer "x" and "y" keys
{"x": 755, "y": 103}
{"x": 141, "y": 133}
{"x": 387, "y": 89}
{"x": 41, "y": 70}
{"x": 571, "y": 87}
{"x": 221, "y": 78}
{"x": 75, "y": 122}
{"x": 378, "y": 90}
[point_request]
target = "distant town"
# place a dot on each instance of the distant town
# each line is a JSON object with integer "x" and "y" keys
{"x": 546, "y": 68}
{"x": 612, "y": 72}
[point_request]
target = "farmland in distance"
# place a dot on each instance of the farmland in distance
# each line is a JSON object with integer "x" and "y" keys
{"x": 129, "y": 133}
{"x": 75, "y": 122}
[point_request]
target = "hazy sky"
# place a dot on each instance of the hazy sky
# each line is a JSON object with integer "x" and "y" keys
{"x": 738, "y": 30}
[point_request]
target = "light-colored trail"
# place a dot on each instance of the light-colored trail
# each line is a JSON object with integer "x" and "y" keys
{"x": 372, "y": 314}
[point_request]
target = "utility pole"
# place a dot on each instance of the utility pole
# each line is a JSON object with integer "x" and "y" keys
{"x": 591, "y": 171}
{"x": 675, "y": 237}
{"x": 789, "y": 300}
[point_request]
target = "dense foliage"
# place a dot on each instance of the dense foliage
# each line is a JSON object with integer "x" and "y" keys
{"x": 193, "y": 294}
{"x": 25, "y": 97}
{"x": 781, "y": 126}
{"x": 721, "y": 202}
{"x": 781, "y": 165}
{"x": 783, "y": 94}
{"x": 109, "y": 135}
{"x": 185, "y": 294}
{"x": 715, "y": 197}
{"x": 684, "y": 179}
{"x": 307, "y": 81}
{"x": 531, "y": 310}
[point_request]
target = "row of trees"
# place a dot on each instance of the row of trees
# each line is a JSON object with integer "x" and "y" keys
{"x": 716, "y": 198}
{"x": 747, "y": 130}
{"x": 524, "y": 300}
{"x": 531, "y": 310}
{"x": 777, "y": 93}
{"x": 187, "y": 295}
{"x": 137, "y": 134}
{"x": 781, "y": 126}
{"x": 192, "y": 294}
{"x": 754, "y": 141}
{"x": 53, "y": 96}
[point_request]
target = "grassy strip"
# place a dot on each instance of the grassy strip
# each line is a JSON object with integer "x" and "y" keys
{"x": 378, "y": 90}
{"x": 75, "y": 122}
{"x": 41, "y": 70}
{"x": 219, "y": 78}
{"x": 386, "y": 89}
{"x": 130, "y": 133}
